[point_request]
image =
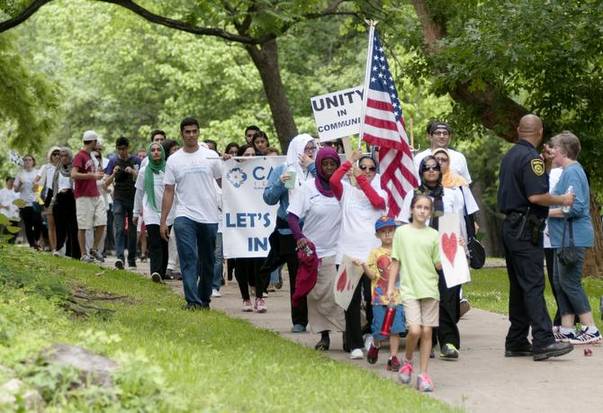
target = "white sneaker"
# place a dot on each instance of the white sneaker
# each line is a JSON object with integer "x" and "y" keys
{"x": 357, "y": 354}
{"x": 216, "y": 293}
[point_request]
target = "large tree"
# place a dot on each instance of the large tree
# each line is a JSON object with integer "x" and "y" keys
{"x": 255, "y": 24}
{"x": 500, "y": 60}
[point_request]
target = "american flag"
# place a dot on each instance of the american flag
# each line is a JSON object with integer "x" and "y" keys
{"x": 383, "y": 125}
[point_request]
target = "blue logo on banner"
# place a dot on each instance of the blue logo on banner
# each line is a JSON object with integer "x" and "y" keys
{"x": 236, "y": 177}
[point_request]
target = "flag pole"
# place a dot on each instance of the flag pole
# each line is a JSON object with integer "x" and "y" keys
{"x": 367, "y": 77}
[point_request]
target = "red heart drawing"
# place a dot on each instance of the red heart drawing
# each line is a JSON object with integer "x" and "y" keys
{"x": 449, "y": 245}
{"x": 342, "y": 281}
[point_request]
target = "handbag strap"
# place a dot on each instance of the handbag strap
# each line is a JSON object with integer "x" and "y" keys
{"x": 468, "y": 218}
{"x": 567, "y": 223}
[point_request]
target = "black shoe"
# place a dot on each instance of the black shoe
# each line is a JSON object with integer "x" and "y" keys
{"x": 552, "y": 350}
{"x": 323, "y": 344}
{"x": 156, "y": 277}
{"x": 119, "y": 264}
{"x": 519, "y": 352}
{"x": 195, "y": 307}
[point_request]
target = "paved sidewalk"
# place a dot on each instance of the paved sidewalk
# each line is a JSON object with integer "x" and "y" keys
{"x": 482, "y": 380}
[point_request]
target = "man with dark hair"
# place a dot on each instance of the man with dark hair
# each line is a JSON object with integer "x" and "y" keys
{"x": 190, "y": 176}
{"x": 250, "y": 132}
{"x": 122, "y": 171}
{"x": 439, "y": 134}
{"x": 158, "y": 136}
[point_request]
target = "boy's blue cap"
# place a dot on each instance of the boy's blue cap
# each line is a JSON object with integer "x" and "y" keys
{"x": 385, "y": 222}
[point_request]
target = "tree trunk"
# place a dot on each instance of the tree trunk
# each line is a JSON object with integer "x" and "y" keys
{"x": 593, "y": 263}
{"x": 265, "y": 58}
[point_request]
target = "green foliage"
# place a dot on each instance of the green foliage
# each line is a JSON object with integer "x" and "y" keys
{"x": 28, "y": 100}
{"x": 546, "y": 55}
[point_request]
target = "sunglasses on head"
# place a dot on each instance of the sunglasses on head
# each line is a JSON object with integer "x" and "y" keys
{"x": 370, "y": 168}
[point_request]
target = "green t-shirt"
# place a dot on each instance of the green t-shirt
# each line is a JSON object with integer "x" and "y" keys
{"x": 418, "y": 251}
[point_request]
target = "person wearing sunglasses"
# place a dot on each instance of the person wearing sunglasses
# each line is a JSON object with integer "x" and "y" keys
{"x": 362, "y": 203}
{"x": 439, "y": 135}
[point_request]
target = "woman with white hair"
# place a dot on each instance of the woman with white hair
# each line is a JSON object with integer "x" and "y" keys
{"x": 571, "y": 227}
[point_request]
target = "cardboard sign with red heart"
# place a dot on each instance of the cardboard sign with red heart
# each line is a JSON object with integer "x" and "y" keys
{"x": 453, "y": 258}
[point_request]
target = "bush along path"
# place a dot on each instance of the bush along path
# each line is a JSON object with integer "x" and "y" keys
{"x": 160, "y": 357}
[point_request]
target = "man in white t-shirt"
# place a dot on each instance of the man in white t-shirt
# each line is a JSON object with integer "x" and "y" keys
{"x": 190, "y": 175}
{"x": 440, "y": 134}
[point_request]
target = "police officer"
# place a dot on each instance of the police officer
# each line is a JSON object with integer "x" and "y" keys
{"x": 523, "y": 195}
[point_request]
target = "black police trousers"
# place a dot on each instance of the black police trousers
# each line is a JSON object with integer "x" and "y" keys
{"x": 527, "y": 307}
{"x": 448, "y": 332}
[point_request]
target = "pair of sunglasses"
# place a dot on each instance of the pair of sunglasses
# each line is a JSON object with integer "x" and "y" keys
{"x": 370, "y": 168}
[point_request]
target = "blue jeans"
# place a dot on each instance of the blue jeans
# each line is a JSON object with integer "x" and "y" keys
{"x": 196, "y": 243}
{"x": 571, "y": 297}
{"x": 121, "y": 211}
{"x": 219, "y": 263}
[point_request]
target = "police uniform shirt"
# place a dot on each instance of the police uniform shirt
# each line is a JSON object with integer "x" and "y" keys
{"x": 522, "y": 174}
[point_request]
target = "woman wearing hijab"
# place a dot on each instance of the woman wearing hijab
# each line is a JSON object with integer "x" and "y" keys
{"x": 147, "y": 203}
{"x": 445, "y": 200}
{"x": 362, "y": 203}
{"x": 282, "y": 244}
{"x": 315, "y": 203}
{"x": 63, "y": 206}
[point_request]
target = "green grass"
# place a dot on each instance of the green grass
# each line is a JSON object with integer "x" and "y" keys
{"x": 213, "y": 362}
{"x": 489, "y": 290}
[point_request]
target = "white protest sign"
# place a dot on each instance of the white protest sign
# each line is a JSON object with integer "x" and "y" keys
{"x": 247, "y": 221}
{"x": 347, "y": 279}
{"x": 452, "y": 255}
{"x": 337, "y": 114}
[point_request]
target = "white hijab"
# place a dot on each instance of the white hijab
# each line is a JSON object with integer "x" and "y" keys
{"x": 296, "y": 148}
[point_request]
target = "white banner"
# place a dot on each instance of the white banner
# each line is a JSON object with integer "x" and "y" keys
{"x": 247, "y": 221}
{"x": 452, "y": 255}
{"x": 337, "y": 114}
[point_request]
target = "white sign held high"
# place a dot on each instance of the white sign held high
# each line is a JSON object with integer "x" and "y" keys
{"x": 337, "y": 114}
{"x": 452, "y": 254}
{"x": 247, "y": 221}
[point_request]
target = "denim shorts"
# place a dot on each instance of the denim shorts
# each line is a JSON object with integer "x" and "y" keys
{"x": 398, "y": 326}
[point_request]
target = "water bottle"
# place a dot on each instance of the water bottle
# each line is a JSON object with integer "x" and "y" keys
{"x": 566, "y": 209}
{"x": 388, "y": 320}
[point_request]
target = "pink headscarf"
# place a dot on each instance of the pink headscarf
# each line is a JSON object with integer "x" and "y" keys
{"x": 322, "y": 181}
